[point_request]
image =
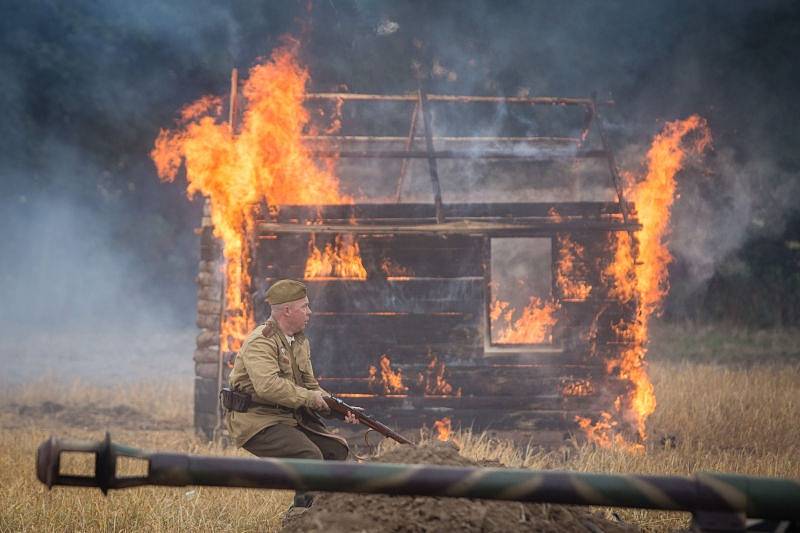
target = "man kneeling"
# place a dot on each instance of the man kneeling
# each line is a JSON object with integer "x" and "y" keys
{"x": 274, "y": 368}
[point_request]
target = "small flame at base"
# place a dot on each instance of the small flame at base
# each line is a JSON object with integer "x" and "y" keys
{"x": 443, "y": 429}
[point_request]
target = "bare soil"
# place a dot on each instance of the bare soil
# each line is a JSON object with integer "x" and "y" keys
{"x": 90, "y": 416}
{"x": 337, "y": 512}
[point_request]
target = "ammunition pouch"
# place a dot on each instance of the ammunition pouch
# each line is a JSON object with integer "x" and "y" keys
{"x": 241, "y": 402}
{"x": 233, "y": 400}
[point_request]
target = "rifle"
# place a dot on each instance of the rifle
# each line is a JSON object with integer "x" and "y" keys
{"x": 340, "y": 408}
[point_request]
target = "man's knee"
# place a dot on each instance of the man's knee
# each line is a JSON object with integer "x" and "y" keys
{"x": 335, "y": 451}
{"x": 310, "y": 451}
{"x": 331, "y": 449}
{"x": 282, "y": 441}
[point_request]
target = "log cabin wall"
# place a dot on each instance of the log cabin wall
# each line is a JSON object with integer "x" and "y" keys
{"x": 209, "y": 308}
{"x": 426, "y": 297}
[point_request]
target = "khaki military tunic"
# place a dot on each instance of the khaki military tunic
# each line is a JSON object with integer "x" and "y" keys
{"x": 276, "y": 373}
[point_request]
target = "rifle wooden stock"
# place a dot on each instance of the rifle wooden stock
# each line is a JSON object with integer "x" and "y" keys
{"x": 341, "y": 408}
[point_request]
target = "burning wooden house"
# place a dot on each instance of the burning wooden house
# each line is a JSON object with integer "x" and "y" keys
{"x": 520, "y": 311}
{"x": 414, "y": 317}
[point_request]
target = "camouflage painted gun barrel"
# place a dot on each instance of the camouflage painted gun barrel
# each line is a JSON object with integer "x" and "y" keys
{"x": 754, "y": 497}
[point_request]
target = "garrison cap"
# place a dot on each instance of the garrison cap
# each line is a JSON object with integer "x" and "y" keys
{"x": 285, "y": 290}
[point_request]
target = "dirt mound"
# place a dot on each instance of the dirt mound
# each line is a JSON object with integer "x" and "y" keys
{"x": 335, "y": 512}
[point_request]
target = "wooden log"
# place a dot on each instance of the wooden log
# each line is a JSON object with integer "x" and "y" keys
{"x": 336, "y": 341}
{"x": 540, "y": 402}
{"x": 208, "y": 293}
{"x": 211, "y": 267}
{"x": 539, "y": 154}
{"x": 207, "y": 337}
{"x": 209, "y": 354}
{"x": 529, "y": 100}
{"x": 409, "y": 142}
{"x": 412, "y": 295}
{"x": 515, "y": 376}
{"x": 209, "y": 307}
{"x": 417, "y": 255}
{"x": 492, "y": 385}
{"x": 456, "y": 227}
{"x": 210, "y": 252}
{"x": 212, "y": 279}
{"x": 491, "y": 419}
{"x": 206, "y": 370}
{"x": 373, "y": 213}
{"x": 407, "y": 415}
{"x": 361, "y": 352}
{"x": 207, "y": 321}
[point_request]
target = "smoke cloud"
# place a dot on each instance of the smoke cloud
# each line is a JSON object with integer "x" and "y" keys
{"x": 94, "y": 243}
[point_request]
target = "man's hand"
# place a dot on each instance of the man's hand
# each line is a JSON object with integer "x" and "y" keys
{"x": 350, "y": 418}
{"x": 317, "y": 401}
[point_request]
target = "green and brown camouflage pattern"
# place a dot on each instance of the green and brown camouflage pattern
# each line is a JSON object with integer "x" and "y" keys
{"x": 754, "y": 497}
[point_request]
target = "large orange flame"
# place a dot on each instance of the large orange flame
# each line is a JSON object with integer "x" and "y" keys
{"x": 263, "y": 160}
{"x": 645, "y": 280}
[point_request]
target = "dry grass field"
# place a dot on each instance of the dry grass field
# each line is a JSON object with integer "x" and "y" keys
{"x": 733, "y": 412}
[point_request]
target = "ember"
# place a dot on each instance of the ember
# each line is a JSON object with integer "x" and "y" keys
{"x": 580, "y": 387}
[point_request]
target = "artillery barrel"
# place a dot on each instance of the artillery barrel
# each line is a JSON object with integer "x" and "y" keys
{"x": 754, "y": 497}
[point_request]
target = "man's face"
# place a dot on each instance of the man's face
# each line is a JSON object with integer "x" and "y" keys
{"x": 297, "y": 315}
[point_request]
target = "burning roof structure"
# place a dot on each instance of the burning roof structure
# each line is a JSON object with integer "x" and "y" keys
{"x": 511, "y": 314}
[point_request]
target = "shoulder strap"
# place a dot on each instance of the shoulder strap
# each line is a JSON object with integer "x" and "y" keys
{"x": 270, "y": 328}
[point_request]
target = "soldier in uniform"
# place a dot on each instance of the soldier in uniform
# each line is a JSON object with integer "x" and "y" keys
{"x": 274, "y": 368}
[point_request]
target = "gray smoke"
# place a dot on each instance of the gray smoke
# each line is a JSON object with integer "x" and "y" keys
{"x": 93, "y": 243}
{"x": 78, "y": 304}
